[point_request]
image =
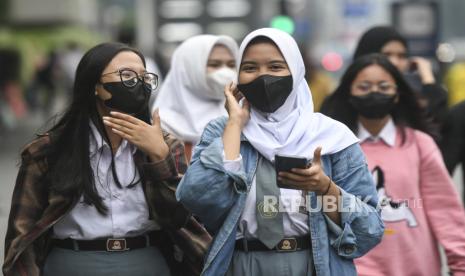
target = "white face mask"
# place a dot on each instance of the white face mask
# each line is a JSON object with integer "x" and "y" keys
{"x": 217, "y": 80}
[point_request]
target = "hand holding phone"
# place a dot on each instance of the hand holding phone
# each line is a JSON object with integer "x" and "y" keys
{"x": 285, "y": 163}
{"x": 311, "y": 179}
{"x": 423, "y": 68}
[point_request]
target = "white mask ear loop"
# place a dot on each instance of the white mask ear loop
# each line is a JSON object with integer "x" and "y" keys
{"x": 241, "y": 102}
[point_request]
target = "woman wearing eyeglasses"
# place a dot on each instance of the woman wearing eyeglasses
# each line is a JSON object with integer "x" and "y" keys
{"x": 419, "y": 205}
{"x": 417, "y": 71}
{"x": 95, "y": 193}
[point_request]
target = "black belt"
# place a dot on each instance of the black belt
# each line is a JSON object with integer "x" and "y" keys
{"x": 285, "y": 245}
{"x": 111, "y": 244}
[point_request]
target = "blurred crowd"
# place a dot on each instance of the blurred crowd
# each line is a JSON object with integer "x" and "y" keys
{"x": 52, "y": 76}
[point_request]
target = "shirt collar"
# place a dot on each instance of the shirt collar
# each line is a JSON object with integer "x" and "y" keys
{"x": 97, "y": 143}
{"x": 387, "y": 134}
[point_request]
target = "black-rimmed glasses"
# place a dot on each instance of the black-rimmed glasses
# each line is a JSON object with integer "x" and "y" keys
{"x": 129, "y": 78}
{"x": 383, "y": 87}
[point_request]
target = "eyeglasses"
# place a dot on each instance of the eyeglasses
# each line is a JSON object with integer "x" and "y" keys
{"x": 130, "y": 78}
{"x": 383, "y": 87}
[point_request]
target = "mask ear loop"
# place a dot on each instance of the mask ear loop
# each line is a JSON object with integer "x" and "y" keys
{"x": 105, "y": 186}
{"x": 241, "y": 102}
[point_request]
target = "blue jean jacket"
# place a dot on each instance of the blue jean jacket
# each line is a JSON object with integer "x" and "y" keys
{"x": 218, "y": 197}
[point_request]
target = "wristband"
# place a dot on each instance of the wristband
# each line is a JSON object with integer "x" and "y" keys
{"x": 329, "y": 187}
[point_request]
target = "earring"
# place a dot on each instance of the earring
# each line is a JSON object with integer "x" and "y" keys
{"x": 96, "y": 93}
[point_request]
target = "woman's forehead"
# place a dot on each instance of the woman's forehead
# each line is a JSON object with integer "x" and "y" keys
{"x": 394, "y": 46}
{"x": 263, "y": 51}
{"x": 126, "y": 59}
{"x": 220, "y": 51}
{"x": 374, "y": 72}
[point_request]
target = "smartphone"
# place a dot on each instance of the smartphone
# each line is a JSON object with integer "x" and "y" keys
{"x": 412, "y": 67}
{"x": 285, "y": 163}
{"x": 414, "y": 80}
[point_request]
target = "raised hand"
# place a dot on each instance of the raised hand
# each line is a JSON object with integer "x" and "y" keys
{"x": 148, "y": 138}
{"x": 238, "y": 118}
{"x": 424, "y": 68}
{"x": 237, "y": 114}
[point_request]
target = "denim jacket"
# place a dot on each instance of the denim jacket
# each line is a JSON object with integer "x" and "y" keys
{"x": 218, "y": 197}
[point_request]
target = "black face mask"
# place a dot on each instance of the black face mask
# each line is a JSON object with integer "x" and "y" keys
{"x": 374, "y": 105}
{"x": 131, "y": 100}
{"x": 267, "y": 93}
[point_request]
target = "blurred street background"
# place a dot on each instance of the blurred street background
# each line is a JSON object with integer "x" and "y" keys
{"x": 41, "y": 42}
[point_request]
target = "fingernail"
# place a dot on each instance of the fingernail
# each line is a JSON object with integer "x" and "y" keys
{"x": 105, "y": 118}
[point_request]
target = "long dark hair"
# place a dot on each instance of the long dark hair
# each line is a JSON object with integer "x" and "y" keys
{"x": 407, "y": 112}
{"x": 67, "y": 155}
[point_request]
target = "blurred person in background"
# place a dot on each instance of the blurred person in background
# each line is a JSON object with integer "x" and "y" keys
{"x": 193, "y": 92}
{"x": 95, "y": 193}
{"x": 69, "y": 59}
{"x": 320, "y": 83}
{"x": 12, "y": 104}
{"x": 453, "y": 140}
{"x": 41, "y": 92}
{"x": 233, "y": 172}
{"x": 417, "y": 70}
{"x": 419, "y": 204}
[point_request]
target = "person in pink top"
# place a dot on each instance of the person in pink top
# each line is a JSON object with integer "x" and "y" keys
{"x": 419, "y": 204}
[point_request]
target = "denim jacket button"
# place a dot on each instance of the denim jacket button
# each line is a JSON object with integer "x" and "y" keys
{"x": 348, "y": 249}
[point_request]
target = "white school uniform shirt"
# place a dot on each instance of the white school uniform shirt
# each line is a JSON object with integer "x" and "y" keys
{"x": 128, "y": 213}
{"x": 387, "y": 134}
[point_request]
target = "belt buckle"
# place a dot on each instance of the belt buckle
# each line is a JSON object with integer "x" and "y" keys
{"x": 116, "y": 245}
{"x": 287, "y": 245}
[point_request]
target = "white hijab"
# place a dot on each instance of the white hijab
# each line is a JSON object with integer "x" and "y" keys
{"x": 293, "y": 129}
{"x": 185, "y": 100}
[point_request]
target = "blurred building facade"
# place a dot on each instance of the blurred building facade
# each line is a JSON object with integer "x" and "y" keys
{"x": 327, "y": 29}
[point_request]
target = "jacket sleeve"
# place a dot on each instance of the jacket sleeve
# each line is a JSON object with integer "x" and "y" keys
{"x": 162, "y": 180}
{"x": 361, "y": 225}
{"x": 208, "y": 189}
{"x": 436, "y": 96}
{"x": 442, "y": 204}
{"x": 453, "y": 137}
{"x": 29, "y": 201}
